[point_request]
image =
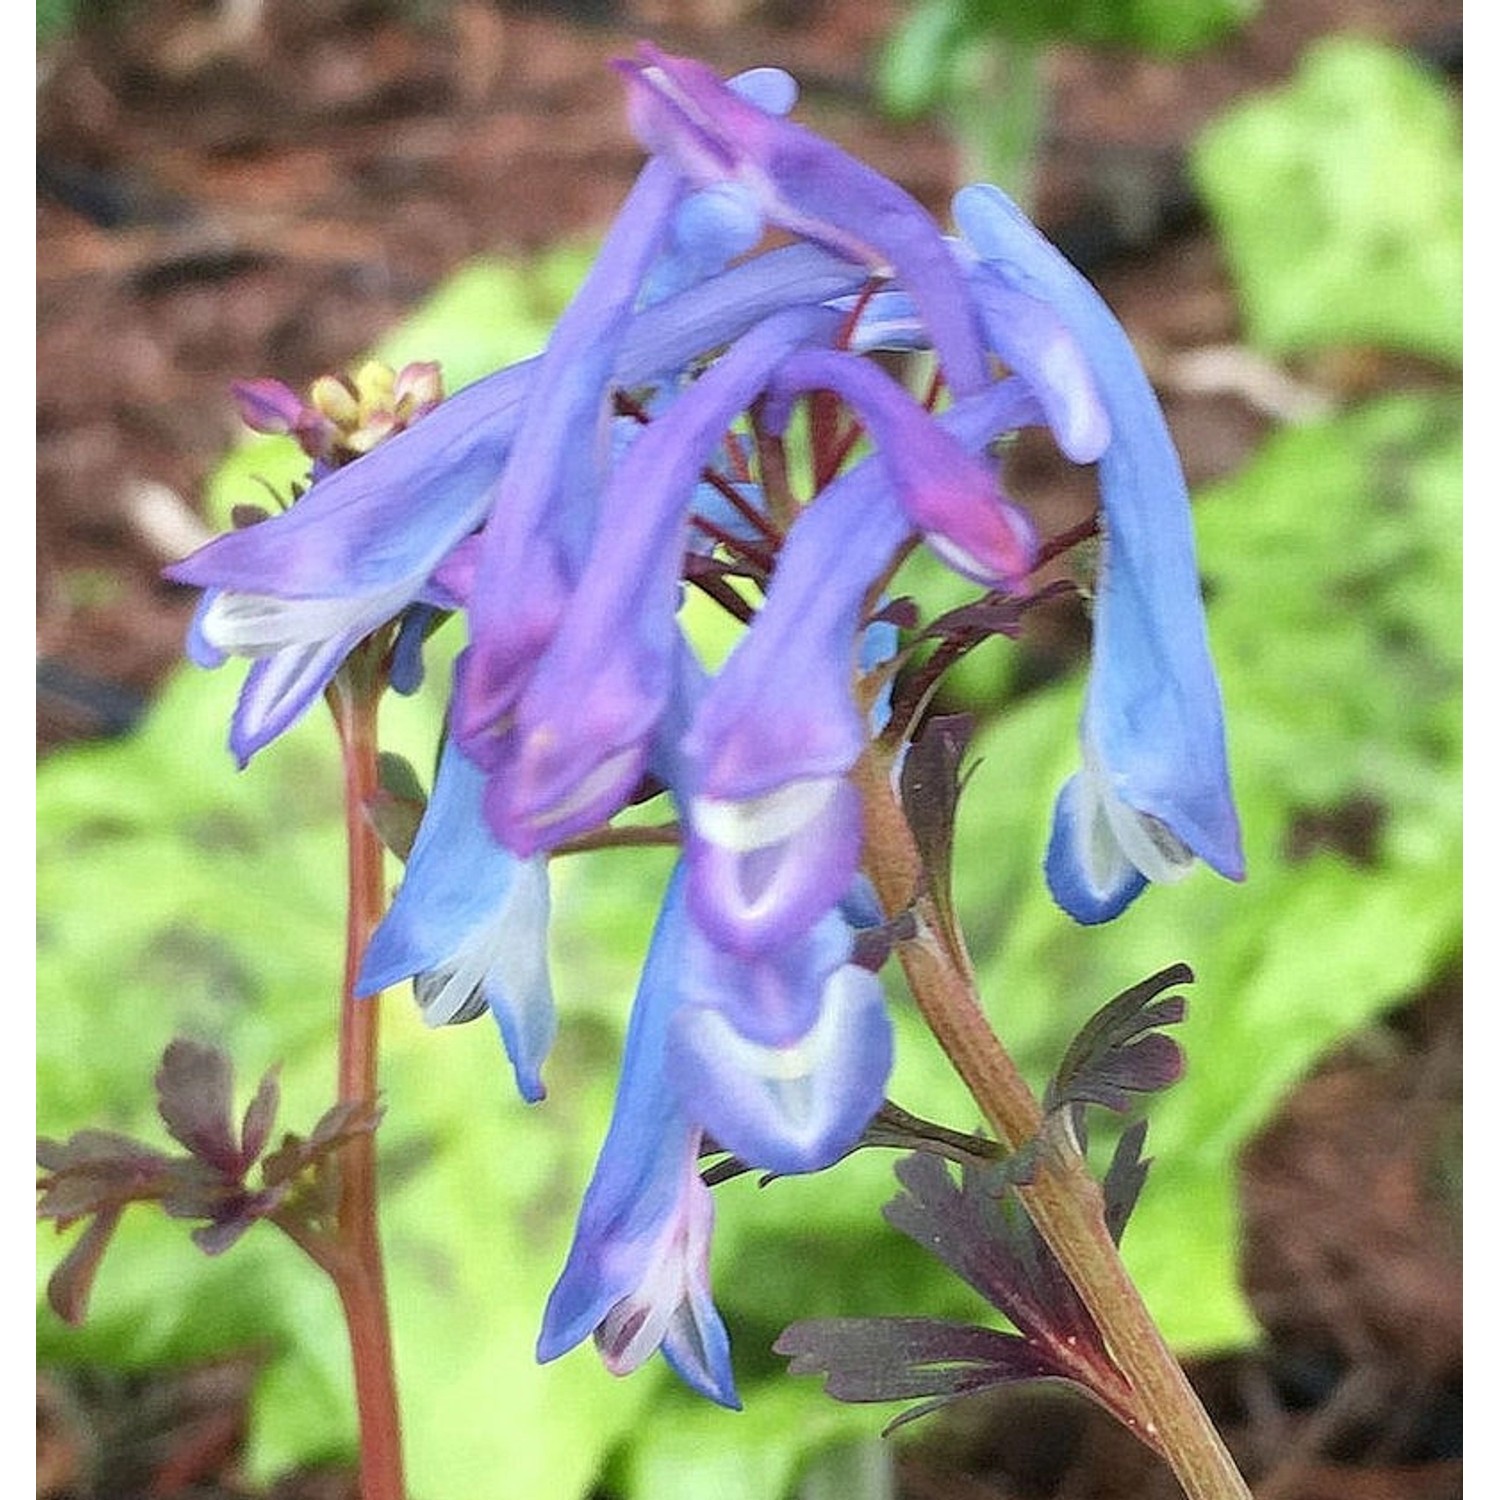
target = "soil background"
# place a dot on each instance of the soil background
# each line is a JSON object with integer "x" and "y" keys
{"x": 263, "y": 187}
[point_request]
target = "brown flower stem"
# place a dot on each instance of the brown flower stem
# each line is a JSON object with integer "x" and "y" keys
{"x": 1064, "y": 1201}
{"x": 358, "y": 1269}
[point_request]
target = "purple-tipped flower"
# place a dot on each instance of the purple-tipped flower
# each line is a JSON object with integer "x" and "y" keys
{"x": 581, "y": 732}
{"x": 469, "y": 927}
{"x": 682, "y": 111}
{"x": 949, "y": 494}
{"x": 297, "y": 592}
{"x": 774, "y": 826}
{"x": 1154, "y": 788}
{"x": 542, "y": 522}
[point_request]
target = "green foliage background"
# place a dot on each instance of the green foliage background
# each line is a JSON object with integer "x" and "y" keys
{"x": 178, "y": 898}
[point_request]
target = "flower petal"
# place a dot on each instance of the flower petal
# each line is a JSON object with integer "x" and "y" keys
{"x": 1154, "y": 721}
{"x": 949, "y": 493}
{"x": 637, "y": 1272}
{"x": 682, "y": 110}
{"x": 785, "y": 1098}
{"x": 469, "y": 926}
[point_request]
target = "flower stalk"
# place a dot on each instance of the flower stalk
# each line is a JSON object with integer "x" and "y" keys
{"x": 1064, "y": 1201}
{"x": 357, "y": 1268}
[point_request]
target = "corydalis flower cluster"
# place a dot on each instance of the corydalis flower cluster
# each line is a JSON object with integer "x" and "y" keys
{"x": 560, "y": 503}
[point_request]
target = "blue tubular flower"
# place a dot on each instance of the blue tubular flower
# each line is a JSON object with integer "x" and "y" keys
{"x": 683, "y": 112}
{"x": 774, "y": 828}
{"x": 298, "y": 591}
{"x": 636, "y": 1276}
{"x": 948, "y": 493}
{"x": 1154, "y": 789}
{"x": 582, "y": 730}
{"x": 782, "y": 1059}
{"x": 469, "y": 926}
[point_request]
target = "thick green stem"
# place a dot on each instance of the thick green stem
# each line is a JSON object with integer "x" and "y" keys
{"x": 1064, "y": 1201}
{"x": 358, "y": 1268}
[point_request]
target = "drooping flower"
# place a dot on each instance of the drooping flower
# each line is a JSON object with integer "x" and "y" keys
{"x": 298, "y": 591}
{"x": 774, "y": 829}
{"x": 683, "y": 112}
{"x": 1154, "y": 789}
{"x": 469, "y": 926}
{"x": 636, "y": 1276}
{"x": 782, "y": 1058}
{"x": 581, "y": 729}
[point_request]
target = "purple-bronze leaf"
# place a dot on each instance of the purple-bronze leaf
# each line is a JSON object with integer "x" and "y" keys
{"x": 1125, "y": 1179}
{"x": 897, "y": 1129}
{"x": 95, "y": 1170}
{"x": 978, "y": 1229}
{"x": 194, "y": 1089}
{"x": 896, "y": 1359}
{"x": 69, "y": 1285}
{"x": 260, "y": 1115}
{"x": 233, "y": 1216}
{"x": 1119, "y": 1052}
{"x": 94, "y": 1174}
{"x": 929, "y": 793}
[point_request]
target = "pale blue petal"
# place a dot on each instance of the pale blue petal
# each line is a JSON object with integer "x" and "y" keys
{"x": 469, "y": 926}
{"x": 1154, "y": 720}
{"x": 784, "y": 1060}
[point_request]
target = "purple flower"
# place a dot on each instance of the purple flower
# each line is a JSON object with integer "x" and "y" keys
{"x": 542, "y": 521}
{"x": 1154, "y": 789}
{"x": 682, "y": 111}
{"x": 299, "y": 591}
{"x": 469, "y": 927}
{"x": 774, "y": 827}
{"x": 578, "y": 739}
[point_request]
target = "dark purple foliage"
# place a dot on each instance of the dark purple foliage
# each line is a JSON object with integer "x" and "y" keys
{"x": 1119, "y": 1051}
{"x": 97, "y": 1174}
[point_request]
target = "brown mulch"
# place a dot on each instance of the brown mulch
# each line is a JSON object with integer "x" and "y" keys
{"x": 228, "y": 190}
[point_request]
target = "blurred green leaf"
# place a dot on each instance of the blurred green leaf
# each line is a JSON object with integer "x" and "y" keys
{"x": 179, "y": 898}
{"x": 1333, "y": 569}
{"x": 934, "y": 52}
{"x": 1339, "y": 202}
{"x": 54, "y": 19}
{"x": 489, "y": 314}
{"x": 688, "y": 1449}
{"x": 917, "y": 67}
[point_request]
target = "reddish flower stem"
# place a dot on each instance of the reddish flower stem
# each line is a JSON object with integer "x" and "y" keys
{"x": 1064, "y": 1201}
{"x": 357, "y": 1268}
